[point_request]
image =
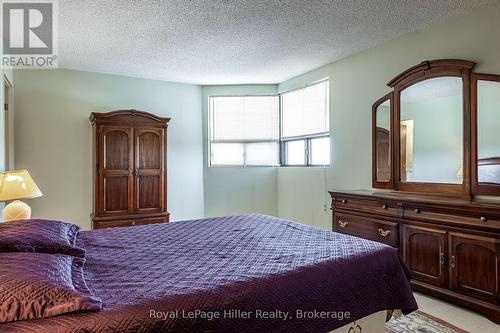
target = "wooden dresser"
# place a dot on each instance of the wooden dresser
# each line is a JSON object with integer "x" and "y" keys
{"x": 451, "y": 245}
{"x": 130, "y": 179}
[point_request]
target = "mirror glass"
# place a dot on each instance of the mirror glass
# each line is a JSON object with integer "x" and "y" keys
{"x": 488, "y": 132}
{"x": 383, "y": 142}
{"x": 431, "y": 138}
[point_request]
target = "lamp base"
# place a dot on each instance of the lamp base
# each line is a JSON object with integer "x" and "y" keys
{"x": 16, "y": 210}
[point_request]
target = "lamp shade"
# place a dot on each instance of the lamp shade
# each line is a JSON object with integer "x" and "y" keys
{"x": 17, "y": 184}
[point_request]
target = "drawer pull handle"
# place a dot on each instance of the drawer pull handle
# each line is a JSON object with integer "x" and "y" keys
{"x": 452, "y": 262}
{"x": 342, "y": 224}
{"x": 417, "y": 210}
{"x": 483, "y": 219}
{"x": 344, "y": 201}
{"x": 384, "y": 233}
{"x": 385, "y": 206}
{"x": 441, "y": 258}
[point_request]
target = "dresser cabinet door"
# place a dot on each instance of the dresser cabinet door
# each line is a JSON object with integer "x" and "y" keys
{"x": 424, "y": 253}
{"x": 474, "y": 265}
{"x": 115, "y": 170}
{"x": 149, "y": 170}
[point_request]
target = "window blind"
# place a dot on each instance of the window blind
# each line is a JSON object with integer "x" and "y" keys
{"x": 244, "y": 130}
{"x": 245, "y": 118}
{"x": 305, "y": 111}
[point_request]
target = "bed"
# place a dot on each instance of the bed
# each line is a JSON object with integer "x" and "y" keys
{"x": 248, "y": 273}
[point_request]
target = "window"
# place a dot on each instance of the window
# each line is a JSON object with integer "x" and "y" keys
{"x": 290, "y": 129}
{"x": 305, "y": 129}
{"x": 244, "y": 130}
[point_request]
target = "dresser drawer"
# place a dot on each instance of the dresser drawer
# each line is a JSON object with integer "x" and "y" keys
{"x": 113, "y": 224}
{"x": 129, "y": 223}
{"x": 368, "y": 228}
{"x": 378, "y": 206}
{"x": 151, "y": 221}
{"x": 425, "y": 214}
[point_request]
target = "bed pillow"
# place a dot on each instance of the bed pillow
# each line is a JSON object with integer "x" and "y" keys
{"x": 41, "y": 285}
{"x": 46, "y": 236}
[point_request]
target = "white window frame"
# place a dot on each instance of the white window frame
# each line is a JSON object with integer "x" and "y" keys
{"x": 281, "y": 142}
{"x": 307, "y": 150}
{"x": 244, "y": 142}
{"x": 307, "y": 138}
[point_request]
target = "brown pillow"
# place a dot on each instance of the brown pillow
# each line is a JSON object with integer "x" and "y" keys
{"x": 40, "y": 285}
{"x": 45, "y": 236}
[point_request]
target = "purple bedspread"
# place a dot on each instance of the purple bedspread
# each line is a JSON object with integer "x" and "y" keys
{"x": 231, "y": 274}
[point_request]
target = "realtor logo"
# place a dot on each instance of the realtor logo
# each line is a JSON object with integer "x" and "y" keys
{"x": 29, "y": 30}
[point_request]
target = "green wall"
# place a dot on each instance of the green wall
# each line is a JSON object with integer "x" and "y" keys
{"x": 237, "y": 190}
{"x": 489, "y": 119}
{"x": 53, "y": 137}
{"x": 356, "y": 83}
{"x": 384, "y": 117}
{"x": 437, "y": 139}
{"x": 6, "y": 122}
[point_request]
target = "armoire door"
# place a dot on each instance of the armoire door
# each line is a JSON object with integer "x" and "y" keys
{"x": 115, "y": 170}
{"x": 149, "y": 170}
{"x": 424, "y": 253}
{"x": 474, "y": 265}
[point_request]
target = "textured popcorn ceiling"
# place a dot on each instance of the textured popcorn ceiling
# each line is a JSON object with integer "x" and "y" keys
{"x": 233, "y": 41}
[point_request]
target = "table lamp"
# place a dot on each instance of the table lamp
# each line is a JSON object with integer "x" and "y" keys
{"x": 15, "y": 185}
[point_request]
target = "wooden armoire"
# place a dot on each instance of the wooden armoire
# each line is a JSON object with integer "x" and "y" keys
{"x": 129, "y": 168}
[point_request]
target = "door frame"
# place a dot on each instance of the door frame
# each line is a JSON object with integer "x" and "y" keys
{"x": 8, "y": 109}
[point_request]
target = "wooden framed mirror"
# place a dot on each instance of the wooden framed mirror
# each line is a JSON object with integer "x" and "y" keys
{"x": 430, "y": 130}
{"x": 485, "y": 116}
{"x": 434, "y": 98}
{"x": 382, "y": 129}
